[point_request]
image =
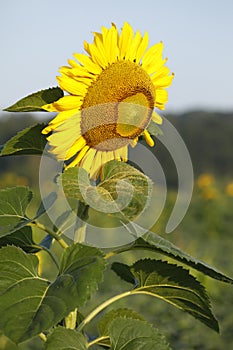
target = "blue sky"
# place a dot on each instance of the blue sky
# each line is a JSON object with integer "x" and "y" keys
{"x": 39, "y": 36}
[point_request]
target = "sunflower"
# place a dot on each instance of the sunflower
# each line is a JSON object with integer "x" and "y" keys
{"x": 112, "y": 92}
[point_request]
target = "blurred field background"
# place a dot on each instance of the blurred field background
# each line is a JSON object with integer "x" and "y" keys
{"x": 205, "y": 232}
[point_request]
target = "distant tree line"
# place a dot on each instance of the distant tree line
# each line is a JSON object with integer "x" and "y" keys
{"x": 208, "y": 137}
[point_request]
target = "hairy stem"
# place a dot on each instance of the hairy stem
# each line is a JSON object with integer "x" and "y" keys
{"x": 62, "y": 243}
{"x": 96, "y": 341}
{"x": 81, "y": 225}
{"x": 101, "y": 307}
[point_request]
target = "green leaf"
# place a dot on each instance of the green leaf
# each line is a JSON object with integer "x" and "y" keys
{"x": 153, "y": 242}
{"x": 35, "y": 101}
{"x": 38, "y": 303}
{"x": 154, "y": 129}
{"x": 131, "y": 334}
{"x": 173, "y": 284}
{"x": 27, "y": 141}
{"x": 123, "y": 191}
{"x": 13, "y": 204}
{"x": 21, "y": 238}
{"x": 74, "y": 182}
{"x": 65, "y": 339}
{"x": 85, "y": 264}
{"x": 123, "y": 271}
{"x": 21, "y": 292}
{"x": 105, "y": 322}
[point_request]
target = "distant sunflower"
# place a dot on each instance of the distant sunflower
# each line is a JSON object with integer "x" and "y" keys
{"x": 112, "y": 94}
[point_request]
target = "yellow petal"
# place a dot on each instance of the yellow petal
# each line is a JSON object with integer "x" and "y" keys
{"x": 156, "y": 118}
{"x": 60, "y": 118}
{"x": 148, "y": 138}
{"x": 110, "y": 156}
{"x": 152, "y": 55}
{"x": 88, "y": 63}
{"x": 142, "y": 47}
{"x": 161, "y": 96}
{"x": 104, "y": 157}
{"x": 98, "y": 54}
{"x": 76, "y": 147}
{"x": 162, "y": 72}
{"x": 78, "y": 71}
{"x": 132, "y": 49}
{"x": 125, "y": 40}
{"x": 70, "y": 85}
{"x": 73, "y": 63}
{"x": 117, "y": 154}
{"x": 96, "y": 165}
{"x": 133, "y": 143}
{"x": 79, "y": 157}
{"x": 155, "y": 67}
{"x": 164, "y": 82}
{"x": 124, "y": 153}
{"x": 67, "y": 103}
{"x": 110, "y": 43}
{"x": 86, "y": 47}
{"x": 86, "y": 162}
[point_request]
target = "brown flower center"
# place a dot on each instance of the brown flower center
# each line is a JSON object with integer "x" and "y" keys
{"x": 118, "y": 106}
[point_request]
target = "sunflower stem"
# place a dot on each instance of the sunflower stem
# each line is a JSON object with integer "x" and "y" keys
{"x": 97, "y": 341}
{"x": 101, "y": 307}
{"x": 81, "y": 225}
{"x": 62, "y": 243}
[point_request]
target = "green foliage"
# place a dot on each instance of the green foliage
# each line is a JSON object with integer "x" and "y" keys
{"x": 21, "y": 238}
{"x": 35, "y": 101}
{"x": 38, "y": 303}
{"x": 65, "y": 339}
{"x": 27, "y": 141}
{"x": 154, "y": 129}
{"x": 85, "y": 264}
{"x": 123, "y": 190}
{"x": 105, "y": 321}
{"x": 132, "y": 334}
{"x": 13, "y": 204}
{"x": 153, "y": 242}
{"x": 31, "y": 304}
{"x": 171, "y": 283}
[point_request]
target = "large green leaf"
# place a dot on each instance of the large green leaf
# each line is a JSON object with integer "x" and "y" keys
{"x": 132, "y": 334}
{"x": 65, "y": 339}
{"x": 75, "y": 182}
{"x": 85, "y": 264}
{"x": 173, "y": 284}
{"x": 21, "y": 238}
{"x": 13, "y": 204}
{"x": 27, "y": 141}
{"x": 122, "y": 191}
{"x": 35, "y": 101}
{"x": 156, "y": 243}
{"x": 29, "y": 304}
{"x": 105, "y": 322}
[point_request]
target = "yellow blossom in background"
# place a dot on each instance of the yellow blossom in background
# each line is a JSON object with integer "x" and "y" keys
{"x": 209, "y": 193}
{"x": 205, "y": 180}
{"x": 113, "y": 90}
{"x": 229, "y": 189}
